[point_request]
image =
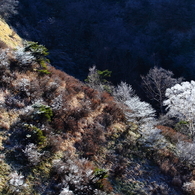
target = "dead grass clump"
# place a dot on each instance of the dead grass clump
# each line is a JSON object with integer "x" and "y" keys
{"x": 113, "y": 109}
{"x": 3, "y": 45}
{"x": 73, "y": 87}
{"x": 55, "y": 141}
{"x": 71, "y": 124}
{"x": 173, "y": 135}
{"x": 104, "y": 119}
{"x": 35, "y": 92}
{"x": 92, "y": 139}
{"x": 57, "y": 73}
{"x": 106, "y": 97}
{"x": 58, "y": 124}
{"x": 167, "y": 167}
{"x": 171, "y": 165}
{"x": 90, "y": 93}
{"x": 95, "y": 103}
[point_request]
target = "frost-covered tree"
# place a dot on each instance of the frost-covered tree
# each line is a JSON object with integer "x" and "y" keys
{"x": 123, "y": 92}
{"x": 181, "y": 104}
{"x": 137, "y": 110}
{"x": 155, "y": 84}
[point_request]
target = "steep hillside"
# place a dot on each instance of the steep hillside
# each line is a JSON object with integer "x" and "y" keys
{"x": 58, "y": 136}
{"x": 8, "y": 38}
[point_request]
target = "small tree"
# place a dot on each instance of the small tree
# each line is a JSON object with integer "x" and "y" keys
{"x": 137, "y": 110}
{"x": 155, "y": 84}
{"x": 123, "y": 92}
{"x": 97, "y": 79}
{"x": 39, "y": 52}
{"x": 181, "y": 103}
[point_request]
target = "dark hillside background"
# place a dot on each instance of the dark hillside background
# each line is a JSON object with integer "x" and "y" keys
{"x": 127, "y": 37}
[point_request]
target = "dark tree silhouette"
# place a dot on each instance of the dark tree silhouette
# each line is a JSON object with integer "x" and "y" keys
{"x": 155, "y": 84}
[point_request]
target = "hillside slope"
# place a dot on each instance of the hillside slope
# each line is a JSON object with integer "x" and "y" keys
{"x": 8, "y": 36}
{"x": 59, "y": 136}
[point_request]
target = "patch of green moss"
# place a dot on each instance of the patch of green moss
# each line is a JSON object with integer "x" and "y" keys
{"x": 38, "y": 134}
{"x": 42, "y": 170}
{"x": 99, "y": 176}
{"x": 44, "y": 111}
{"x": 43, "y": 71}
{"x": 100, "y": 173}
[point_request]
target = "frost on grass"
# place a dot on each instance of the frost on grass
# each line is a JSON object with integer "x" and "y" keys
{"x": 16, "y": 182}
{"x": 57, "y": 102}
{"x": 22, "y": 84}
{"x": 186, "y": 151}
{"x": 152, "y": 137}
{"x": 24, "y": 58}
{"x": 4, "y": 61}
{"x": 189, "y": 186}
{"x": 32, "y": 154}
{"x": 77, "y": 176}
{"x": 66, "y": 191}
{"x": 72, "y": 172}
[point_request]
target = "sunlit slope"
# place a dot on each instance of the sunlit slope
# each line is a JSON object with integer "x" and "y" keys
{"x": 8, "y": 36}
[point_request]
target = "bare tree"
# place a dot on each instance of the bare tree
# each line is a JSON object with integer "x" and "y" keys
{"x": 155, "y": 84}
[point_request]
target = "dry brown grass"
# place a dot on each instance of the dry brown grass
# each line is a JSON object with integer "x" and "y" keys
{"x": 173, "y": 135}
{"x": 8, "y": 36}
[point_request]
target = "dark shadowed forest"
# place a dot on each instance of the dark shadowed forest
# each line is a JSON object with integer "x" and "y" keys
{"x": 127, "y": 37}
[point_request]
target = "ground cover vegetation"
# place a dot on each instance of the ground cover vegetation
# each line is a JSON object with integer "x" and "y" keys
{"x": 60, "y": 136}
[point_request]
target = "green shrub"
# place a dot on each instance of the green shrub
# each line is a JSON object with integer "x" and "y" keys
{"x": 37, "y": 134}
{"x": 43, "y": 111}
{"x": 99, "y": 176}
{"x": 39, "y": 51}
{"x": 100, "y": 173}
{"x": 104, "y": 74}
{"x": 97, "y": 80}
